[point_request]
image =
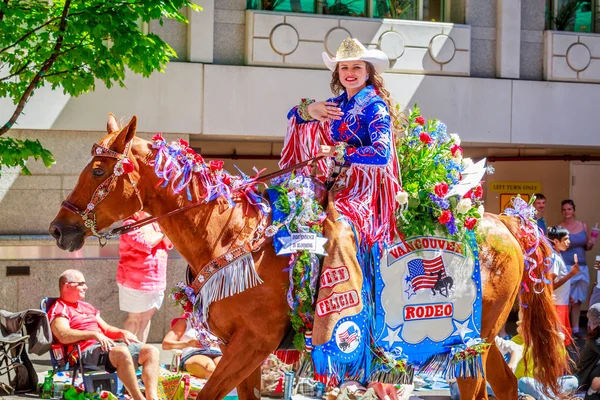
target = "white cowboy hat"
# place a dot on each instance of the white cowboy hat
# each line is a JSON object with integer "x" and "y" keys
{"x": 352, "y": 50}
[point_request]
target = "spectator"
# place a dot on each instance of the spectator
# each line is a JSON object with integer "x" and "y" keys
{"x": 524, "y": 373}
{"x": 588, "y": 367}
{"x": 595, "y": 295}
{"x": 580, "y": 243}
{"x": 559, "y": 237}
{"x": 74, "y": 321}
{"x": 540, "y": 206}
{"x": 196, "y": 358}
{"x": 142, "y": 274}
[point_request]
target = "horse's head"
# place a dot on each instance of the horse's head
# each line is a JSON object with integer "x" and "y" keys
{"x": 106, "y": 191}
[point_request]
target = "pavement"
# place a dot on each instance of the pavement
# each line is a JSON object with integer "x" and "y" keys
{"x": 42, "y": 363}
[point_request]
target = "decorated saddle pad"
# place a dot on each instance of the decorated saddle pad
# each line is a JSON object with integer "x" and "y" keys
{"x": 429, "y": 301}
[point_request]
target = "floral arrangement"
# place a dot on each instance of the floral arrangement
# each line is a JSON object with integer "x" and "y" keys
{"x": 465, "y": 352}
{"x": 184, "y": 296}
{"x": 431, "y": 162}
{"x": 303, "y": 214}
{"x": 465, "y": 359}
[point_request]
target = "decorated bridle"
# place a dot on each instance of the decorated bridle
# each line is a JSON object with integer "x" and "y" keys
{"x": 123, "y": 166}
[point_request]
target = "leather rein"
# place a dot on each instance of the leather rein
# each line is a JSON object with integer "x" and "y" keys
{"x": 122, "y": 167}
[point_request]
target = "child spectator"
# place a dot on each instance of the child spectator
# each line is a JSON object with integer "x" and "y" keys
{"x": 196, "y": 359}
{"x": 559, "y": 237}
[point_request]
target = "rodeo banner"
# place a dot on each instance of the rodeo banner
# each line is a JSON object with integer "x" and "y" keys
{"x": 428, "y": 303}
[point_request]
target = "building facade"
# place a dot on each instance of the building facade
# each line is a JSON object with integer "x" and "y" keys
{"x": 519, "y": 92}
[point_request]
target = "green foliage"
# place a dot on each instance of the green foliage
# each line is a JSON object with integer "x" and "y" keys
{"x": 565, "y": 15}
{"x": 431, "y": 163}
{"x": 15, "y": 152}
{"x": 72, "y": 45}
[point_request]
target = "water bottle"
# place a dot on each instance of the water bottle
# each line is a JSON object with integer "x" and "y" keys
{"x": 59, "y": 387}
{"x": 47, "y": 386}
{"x": 288, "y": 385}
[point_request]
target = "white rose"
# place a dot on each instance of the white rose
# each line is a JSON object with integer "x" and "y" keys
{"x": 463, "y": 206}
{"x": 402, "y": 198}
{"x": 467, "y": 163}
{"x": 481, "y": 210}
{"x": 455, "y": 138}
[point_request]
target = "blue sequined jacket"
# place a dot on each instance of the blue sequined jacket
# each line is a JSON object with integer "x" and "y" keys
{"x": 365, "y": 127}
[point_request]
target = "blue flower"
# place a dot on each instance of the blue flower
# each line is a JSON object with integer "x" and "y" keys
{"x": 451, "y": 225}
{"x": 442, "y": 203}
{"x": 441, "y": 132}
{"x": 417, "y": 131}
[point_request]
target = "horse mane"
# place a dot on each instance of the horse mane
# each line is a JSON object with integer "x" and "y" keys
{"x": 540, "y": 323}
{"x": 178, "y": 165}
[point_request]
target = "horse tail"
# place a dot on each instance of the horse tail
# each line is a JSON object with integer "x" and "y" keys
{"x": 539, "y": 322}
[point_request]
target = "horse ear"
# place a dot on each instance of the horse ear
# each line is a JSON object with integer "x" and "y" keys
{"x": 112, "y": 125}
{"x": 127, "y": 134}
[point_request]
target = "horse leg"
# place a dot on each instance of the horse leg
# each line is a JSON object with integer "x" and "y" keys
{"x": 249, "y": 389}
{"x": 500, "y": 376}
{"x": 243, "y": 356}
{"x": 476, "y": 388}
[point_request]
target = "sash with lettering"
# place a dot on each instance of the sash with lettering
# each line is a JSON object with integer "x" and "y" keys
{"x": 428, "y": 298}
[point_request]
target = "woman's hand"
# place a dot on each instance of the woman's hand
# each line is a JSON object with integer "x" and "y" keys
{"x": 324, "y": 110}
{"x": 326, "y": 151}
{"x": 194, "y": 343}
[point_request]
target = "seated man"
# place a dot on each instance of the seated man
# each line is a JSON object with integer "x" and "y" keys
{"x": 74, "y": 321}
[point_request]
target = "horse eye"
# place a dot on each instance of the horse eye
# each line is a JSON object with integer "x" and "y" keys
{"x": 97, "y": 172}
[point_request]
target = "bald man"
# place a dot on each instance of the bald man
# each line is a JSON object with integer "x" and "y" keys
{"x": 74, "y": 321}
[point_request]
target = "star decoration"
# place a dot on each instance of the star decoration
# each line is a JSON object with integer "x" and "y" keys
{"x": 392, "y": 336}
{"x": 356, "y": 110}
{"x": 381, "y": 111}
{"x": 343, "y": 128}
{"x": 407, "y": 279}
{"x": 410, "y": 291}
{"x": 461, "y": 328}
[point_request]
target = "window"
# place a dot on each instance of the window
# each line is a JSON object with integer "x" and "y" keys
{"x": 572, "y": 15}
{"x": 426, "y": 10}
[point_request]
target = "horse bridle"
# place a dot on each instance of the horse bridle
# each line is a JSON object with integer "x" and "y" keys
{"x": 102, "y": 191}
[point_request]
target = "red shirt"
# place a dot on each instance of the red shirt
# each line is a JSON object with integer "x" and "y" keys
{"x": 81, "y": 317}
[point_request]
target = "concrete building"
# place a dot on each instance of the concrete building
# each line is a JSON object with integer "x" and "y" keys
{"x": 519, "y": 93}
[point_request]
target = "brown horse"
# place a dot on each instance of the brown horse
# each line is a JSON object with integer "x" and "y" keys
{"x": 253, "y": 323}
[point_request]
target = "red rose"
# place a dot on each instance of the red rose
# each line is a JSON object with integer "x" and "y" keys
{"x": 445, "y": 217}
{"x": 227, "y": 179}
{"x": 478, "y": 192}
{"x": 350, "y": 150}
{"x": 216, "y": 165}
{"x": 456, "y": 148}
{"x": 470, "y": 223}
{"x": 441, "y": 189}
{"x": 158, "y": 137}
{"x": 128, "y": 165}
{"x": 420, "y": 120}
{"x": 425, "y": 138}
{"x": 198, "y": 159}
{"x": 189, "y": 151}
{"x": 183, "y": 143}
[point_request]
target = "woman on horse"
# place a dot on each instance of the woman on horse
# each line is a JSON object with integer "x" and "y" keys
{"x": 354, "y": 132}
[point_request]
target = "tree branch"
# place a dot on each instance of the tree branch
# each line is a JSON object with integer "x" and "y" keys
{"x": 1, "y": 13}
{"x": 19, "y": 72}
{"x": 40, "y": 75}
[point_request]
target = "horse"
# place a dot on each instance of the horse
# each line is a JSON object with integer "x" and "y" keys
{"x": 252, "y": 323}
{"x": 442, "y": 285}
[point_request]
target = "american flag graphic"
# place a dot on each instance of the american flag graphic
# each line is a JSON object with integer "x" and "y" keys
{"x": 423, "y": 274}
{"x": 349, "y": 335}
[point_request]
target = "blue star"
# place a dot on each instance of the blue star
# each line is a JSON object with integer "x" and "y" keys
{"x": 410, "y": 292}
{"x": 407, "y": 279}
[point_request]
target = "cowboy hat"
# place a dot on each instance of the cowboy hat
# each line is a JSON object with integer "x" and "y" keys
{"x": 352, "y": 50}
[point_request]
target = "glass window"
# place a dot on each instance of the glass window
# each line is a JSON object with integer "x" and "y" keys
{"x": 573, "y": 15}
{"x": 302, "y": 6}
{"x": 351, "y": 8}
{"x": 433, "y": 10}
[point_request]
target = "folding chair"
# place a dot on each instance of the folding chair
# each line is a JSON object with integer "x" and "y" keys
{"x": 71, "y": 361}
{"x": 66, "y": 357}
{"x": 11, "y": 350}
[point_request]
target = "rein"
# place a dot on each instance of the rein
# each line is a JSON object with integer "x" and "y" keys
{"x": 124, "y": 166}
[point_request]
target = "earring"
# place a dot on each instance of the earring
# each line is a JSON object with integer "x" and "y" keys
{"x": 367, "y": 77}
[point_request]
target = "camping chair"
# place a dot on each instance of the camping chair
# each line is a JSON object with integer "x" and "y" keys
{"x": 11, "y": 349}
{"x": 70, "y": 360}
{"x": 17, "y": 329}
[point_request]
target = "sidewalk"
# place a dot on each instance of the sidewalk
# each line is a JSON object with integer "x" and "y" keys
{"x": 42, "y": 363}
